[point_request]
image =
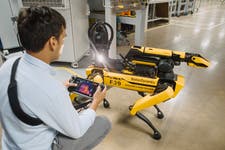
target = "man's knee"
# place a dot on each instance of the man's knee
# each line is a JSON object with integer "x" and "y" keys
{"x": 103, "y": 123}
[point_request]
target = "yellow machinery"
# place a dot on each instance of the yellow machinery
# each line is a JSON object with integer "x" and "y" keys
{"x": 149, "y": 71}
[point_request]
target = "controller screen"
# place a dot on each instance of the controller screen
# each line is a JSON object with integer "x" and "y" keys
{"x": 86, "y": 87}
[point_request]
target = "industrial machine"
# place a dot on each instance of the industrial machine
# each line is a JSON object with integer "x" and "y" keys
{"x": 149, "y": 71}
{"x": 9, "y": 43}
{"x": 76, "y": 14}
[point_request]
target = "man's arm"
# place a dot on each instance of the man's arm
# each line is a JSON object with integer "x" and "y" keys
{"x": 58, "y": 112}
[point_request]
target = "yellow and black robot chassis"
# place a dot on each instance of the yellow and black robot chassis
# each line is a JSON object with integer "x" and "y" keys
{"x": 149, "y": 71}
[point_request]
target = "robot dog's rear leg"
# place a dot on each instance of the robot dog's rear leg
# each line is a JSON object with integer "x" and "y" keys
{"x": 156, "y": 135}
{"x": 160, "y": 114}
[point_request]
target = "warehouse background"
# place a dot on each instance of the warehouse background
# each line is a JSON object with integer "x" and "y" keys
{"x": 194, "y": 120}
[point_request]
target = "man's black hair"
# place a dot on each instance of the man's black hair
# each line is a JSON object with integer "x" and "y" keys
{"x": 37, "y": 24}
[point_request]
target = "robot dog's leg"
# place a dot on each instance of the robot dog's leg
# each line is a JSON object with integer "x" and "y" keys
{"x": 156, "y": 135}
{"x": 151, "y": 100}
{"x": 160, "y": 114}
{"x": 148, "y": 101}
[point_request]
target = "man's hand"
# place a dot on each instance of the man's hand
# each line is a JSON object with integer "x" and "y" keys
{"x": 98, "y": 97}
{"x": 68, "y": 84}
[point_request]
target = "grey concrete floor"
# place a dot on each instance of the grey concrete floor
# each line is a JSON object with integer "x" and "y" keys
{"x": 194, "y": 120}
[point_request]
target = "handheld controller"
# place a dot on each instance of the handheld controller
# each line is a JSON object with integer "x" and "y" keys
{"x": 84, "y": 87}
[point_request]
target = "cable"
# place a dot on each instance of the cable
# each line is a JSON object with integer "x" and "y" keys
{"x": 99, "y": 36}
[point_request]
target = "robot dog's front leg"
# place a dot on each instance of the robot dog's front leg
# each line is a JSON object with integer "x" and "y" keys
{"x": 151, "y": 100}
{"x": 160, "y": 114}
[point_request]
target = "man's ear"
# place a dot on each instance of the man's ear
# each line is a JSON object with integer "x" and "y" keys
{"x": 52, "y": 43}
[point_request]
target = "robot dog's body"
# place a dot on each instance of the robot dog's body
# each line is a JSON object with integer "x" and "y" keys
{"x": 149, "y": 71}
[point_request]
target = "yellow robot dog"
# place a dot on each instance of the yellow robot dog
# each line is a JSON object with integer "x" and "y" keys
{"x": 149, "y": 71}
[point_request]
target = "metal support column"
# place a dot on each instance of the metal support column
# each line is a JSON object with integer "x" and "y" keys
{"x": 173, "y": 7}
{"x": 139, "y": 27}
{"x": 110, "y": 18}
{"x": 181, "y": 7}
